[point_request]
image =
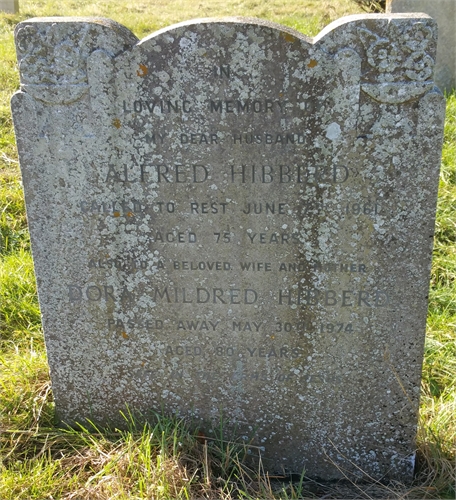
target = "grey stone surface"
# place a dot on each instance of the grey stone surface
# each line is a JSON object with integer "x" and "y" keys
{"x": 9, "y": 6}
{"x": 444, "y": 12}
{"x": 229, "y": 217}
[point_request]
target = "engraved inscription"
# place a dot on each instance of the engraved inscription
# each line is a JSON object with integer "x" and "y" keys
{"x": 333, "y": 298}
{"x": 269, "y": 138}
{"x": 247, "y": 106}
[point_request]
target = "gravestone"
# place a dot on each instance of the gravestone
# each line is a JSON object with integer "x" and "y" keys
{"x": 230, "y": 218}
{"x": 444, "y": 12}
{"x": 9, "y": 6}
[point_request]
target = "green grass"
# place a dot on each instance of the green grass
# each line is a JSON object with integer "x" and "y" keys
{"x": 13, "y": 225}
{"x": 169, "y": 458}
{"x": 19, "y": 314}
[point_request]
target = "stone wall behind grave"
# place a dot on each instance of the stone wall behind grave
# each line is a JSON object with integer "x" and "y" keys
{"x": 229, "y": 217}
{"x": 9, "y": 6}
{"x": 444, "y": 13}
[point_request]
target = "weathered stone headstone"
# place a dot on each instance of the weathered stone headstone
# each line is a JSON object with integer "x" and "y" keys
{"x": 444, "y": 12}
{"x": 9, "y": 6}
{"x": 229, "y": 217}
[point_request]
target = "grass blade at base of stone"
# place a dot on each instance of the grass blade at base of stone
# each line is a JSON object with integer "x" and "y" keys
{"x": 163, "y": 459}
